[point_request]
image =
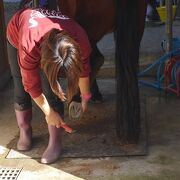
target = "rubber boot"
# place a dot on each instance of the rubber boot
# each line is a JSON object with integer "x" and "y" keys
{"x": 24, "y": 124}
{"x": 54, "y": 148}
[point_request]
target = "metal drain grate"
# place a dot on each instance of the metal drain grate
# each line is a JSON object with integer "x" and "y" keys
{"x": 9, "y": 173}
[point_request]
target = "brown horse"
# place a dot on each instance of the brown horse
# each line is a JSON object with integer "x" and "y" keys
{"x": 126, "y": 19}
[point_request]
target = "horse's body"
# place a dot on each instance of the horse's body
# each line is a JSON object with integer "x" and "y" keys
{"x": 126, "y": 18}
{"x": 86, "y": 11}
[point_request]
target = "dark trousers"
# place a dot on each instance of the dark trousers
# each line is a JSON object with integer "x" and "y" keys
{"x": 22, "y": 99}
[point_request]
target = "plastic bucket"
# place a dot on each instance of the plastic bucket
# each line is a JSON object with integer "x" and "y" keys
{"x": 162, "y": 12}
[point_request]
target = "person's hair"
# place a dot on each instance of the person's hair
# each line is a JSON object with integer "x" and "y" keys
{"x": 61, "y": 56}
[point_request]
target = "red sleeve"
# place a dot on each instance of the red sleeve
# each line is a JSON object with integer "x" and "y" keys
{"x": 29, "y": 67}
{"x": 12, "y": 31}
{"x": 83, "y": 41}
{"x": 86, "y": 51}
{"x": 86, "y": 67}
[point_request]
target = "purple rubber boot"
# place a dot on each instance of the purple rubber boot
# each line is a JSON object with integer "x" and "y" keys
{"x": 25, "y": 129}
{"x": 54, "y": 148}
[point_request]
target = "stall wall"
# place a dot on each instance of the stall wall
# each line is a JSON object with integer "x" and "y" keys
{"x": 4, "y": 67}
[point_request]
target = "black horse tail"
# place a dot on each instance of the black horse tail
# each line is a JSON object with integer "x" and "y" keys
{"x": 129, "y": 31}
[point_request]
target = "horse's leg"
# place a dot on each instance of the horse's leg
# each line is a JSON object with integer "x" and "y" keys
{"x": 130, "y": 26}
{"x": 96, "y": 61}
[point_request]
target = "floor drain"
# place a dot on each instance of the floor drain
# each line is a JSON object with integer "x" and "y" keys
{"x": 9, "y": 173}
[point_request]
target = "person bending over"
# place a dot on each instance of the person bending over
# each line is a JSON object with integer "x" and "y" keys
{"x": 49, "y": 46}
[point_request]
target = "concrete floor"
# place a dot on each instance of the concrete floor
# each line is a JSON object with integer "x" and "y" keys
{"x": 163, "y": 159}
{"x": 161, "y": 162}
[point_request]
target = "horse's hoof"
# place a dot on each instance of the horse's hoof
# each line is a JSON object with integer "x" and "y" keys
{"x": 75, "y": 110}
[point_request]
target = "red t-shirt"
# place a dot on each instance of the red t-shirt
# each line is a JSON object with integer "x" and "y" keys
{"x": 25, "y": 31}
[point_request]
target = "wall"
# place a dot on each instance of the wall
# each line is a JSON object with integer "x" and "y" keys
{"x": 4, "y": 67}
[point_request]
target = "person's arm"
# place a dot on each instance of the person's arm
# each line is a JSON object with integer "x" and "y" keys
{"x": 29, "y": 67}
{"x": 84, "y": 81}
{"x": 84, "y": 86}
{"x": 52, "y": 117}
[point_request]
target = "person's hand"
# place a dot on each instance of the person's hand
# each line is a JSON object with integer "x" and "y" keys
{"x": 51, "y": 116}
{"x": 84, "y": 105}
{"x": 84, "y": 100}
{"x": 54, "y": 119}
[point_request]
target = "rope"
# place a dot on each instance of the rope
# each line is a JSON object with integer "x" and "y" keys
{"x": 171, "y": 74}
{"x": 168, "y": 70}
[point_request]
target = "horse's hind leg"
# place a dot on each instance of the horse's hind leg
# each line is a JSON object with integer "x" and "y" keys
{"x": 96, "y": 61}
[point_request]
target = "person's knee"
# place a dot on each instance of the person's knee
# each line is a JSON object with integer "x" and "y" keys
{"x": 22, "y": 106}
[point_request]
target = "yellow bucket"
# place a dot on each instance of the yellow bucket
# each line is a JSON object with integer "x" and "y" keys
{"x": 162, "y": 12}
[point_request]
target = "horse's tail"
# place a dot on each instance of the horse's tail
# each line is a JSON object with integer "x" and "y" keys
{"x": 129, "y": 30}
